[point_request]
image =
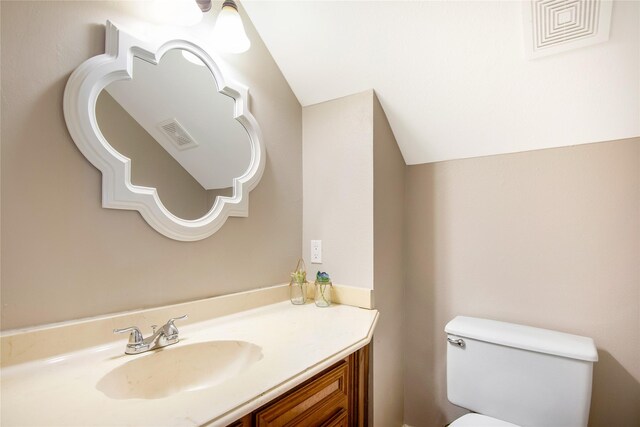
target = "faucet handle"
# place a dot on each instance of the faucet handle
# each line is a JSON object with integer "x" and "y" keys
{"x": 170, "y": 329}
{"x": 173, "y": 319}
{"x": 135, "y": 337}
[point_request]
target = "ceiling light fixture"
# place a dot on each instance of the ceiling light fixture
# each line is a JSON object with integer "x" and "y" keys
{"x": 204, "y": 5}
{"x": 228, "y": 32}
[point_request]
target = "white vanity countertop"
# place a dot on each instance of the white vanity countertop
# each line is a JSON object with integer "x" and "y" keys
{"x": 296, "y": 343}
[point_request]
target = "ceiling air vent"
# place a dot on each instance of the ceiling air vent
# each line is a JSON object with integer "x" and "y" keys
{"x": 177, "y": 134}
{"x": 554, "y": 26}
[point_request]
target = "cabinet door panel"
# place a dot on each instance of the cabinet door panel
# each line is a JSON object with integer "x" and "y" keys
{"x": 311, "y": 405}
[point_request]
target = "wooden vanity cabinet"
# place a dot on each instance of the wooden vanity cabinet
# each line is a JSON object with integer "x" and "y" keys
{"x": 336, "y": 397}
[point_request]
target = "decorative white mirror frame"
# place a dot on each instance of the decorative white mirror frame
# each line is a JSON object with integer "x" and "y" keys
{"x": 81, "y": 93}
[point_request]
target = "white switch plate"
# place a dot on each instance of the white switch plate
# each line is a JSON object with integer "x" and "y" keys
{"x": 316, "y": 252}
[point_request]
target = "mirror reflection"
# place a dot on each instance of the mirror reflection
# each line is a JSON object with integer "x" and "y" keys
{"x": 178, "y": 131}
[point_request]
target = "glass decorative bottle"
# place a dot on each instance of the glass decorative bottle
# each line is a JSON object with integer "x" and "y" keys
{"x": 298, "y": 284}
{"x": 323, "y": 290}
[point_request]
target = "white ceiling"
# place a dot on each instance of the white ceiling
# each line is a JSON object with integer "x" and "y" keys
{"x": 155, "y": 95}
{"x": 452, "y": 76}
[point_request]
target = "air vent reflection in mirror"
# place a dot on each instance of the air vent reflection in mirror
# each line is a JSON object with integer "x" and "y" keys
{"x": 178, "y": 136}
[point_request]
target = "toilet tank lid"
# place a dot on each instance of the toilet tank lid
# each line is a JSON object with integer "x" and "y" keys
{"x": 524, "y": 337}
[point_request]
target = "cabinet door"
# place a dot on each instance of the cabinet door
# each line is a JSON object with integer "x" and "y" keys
{"x": 359, "y": 393}
{"x": 313, "y": 405}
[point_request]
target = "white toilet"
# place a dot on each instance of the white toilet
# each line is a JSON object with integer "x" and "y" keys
{"x": 514, "y": 375}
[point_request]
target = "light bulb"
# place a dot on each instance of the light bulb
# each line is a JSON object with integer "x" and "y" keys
{"x": 228, "y": 32}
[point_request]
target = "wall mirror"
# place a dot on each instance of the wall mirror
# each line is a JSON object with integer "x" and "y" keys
{"x": 172, "y": 137}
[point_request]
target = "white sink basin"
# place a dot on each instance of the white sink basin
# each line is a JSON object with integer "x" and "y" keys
{"x": 177, "y": 369}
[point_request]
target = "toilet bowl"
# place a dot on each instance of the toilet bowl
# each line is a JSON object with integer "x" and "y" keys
{"x": 477, "y": 420}
{"x": 514, "y": 375}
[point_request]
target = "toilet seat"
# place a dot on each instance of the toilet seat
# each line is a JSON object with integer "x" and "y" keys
{"x": 477, "y": 420}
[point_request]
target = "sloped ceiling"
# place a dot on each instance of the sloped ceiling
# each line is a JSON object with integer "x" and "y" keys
{"x": 453, "y": 77}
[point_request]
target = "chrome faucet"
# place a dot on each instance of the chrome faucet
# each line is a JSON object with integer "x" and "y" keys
{"x": 166, "y": 335}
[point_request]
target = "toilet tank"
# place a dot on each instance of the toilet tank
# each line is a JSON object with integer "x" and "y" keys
{"x": 520, "y": 374}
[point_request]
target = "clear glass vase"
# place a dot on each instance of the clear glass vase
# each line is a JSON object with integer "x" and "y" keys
{"x": 323, "y": 293}
{"x": 298, "y": 292}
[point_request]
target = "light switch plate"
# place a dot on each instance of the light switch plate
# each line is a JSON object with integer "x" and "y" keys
{"x": 316, "y": 252}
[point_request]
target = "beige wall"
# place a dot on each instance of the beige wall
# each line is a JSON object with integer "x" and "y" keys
{"x": 63, "y": 255}
{"x": 547, "y": 238}
{"x": 388, "y": 267}
{"x": 354, "y": 202}
{"x": 151, "y": 165}
{"x": 338, "y": 188}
